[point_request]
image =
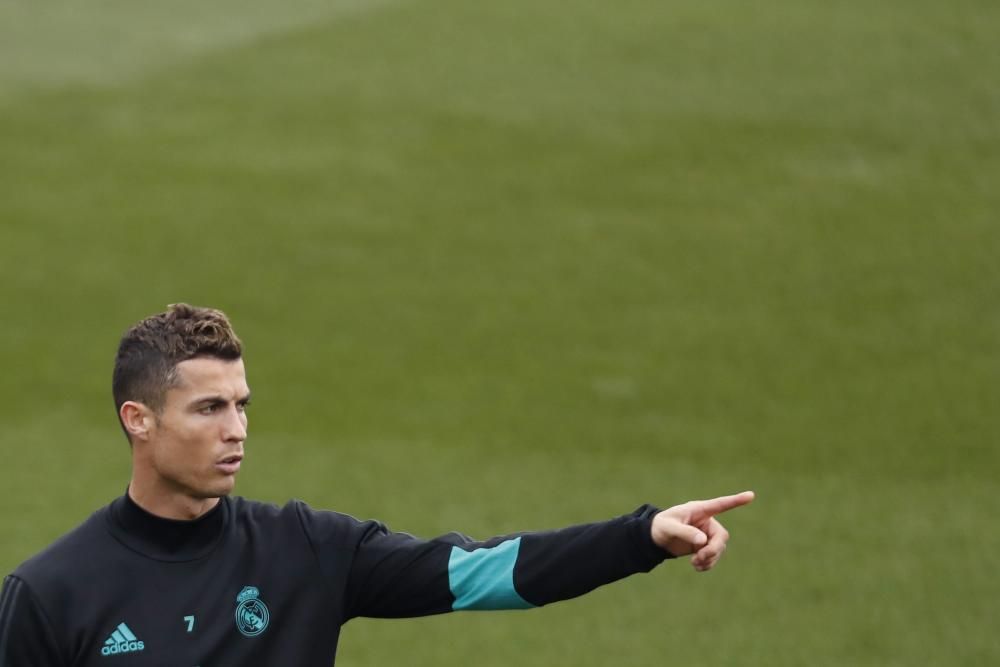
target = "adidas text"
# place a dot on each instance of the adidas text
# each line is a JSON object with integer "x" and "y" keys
{"x": 124, "y": 647}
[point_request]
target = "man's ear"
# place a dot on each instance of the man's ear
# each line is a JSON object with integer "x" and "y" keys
{"x": 137, "y": 418}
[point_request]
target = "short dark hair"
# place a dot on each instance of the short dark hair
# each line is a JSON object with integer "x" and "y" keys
{"x": 148, "y": 354}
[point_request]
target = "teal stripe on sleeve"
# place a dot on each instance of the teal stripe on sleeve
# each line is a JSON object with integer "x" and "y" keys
{"x": 483, "y": 579}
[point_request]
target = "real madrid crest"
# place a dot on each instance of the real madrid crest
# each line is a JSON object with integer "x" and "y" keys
{"x": 252, "y": 615}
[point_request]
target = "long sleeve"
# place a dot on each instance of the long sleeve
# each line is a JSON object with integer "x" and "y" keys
{"x": 395, "y": 574}
{"x": 26, "y": 637}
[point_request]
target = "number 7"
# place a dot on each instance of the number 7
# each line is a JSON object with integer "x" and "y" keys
{"x": 190, "y": 622}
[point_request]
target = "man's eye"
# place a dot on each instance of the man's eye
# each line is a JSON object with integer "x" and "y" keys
{"x": 208, "y": 409}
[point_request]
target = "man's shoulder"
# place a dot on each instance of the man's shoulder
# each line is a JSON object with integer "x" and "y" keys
{"x": 257, "y": 511}
{"x": 244, "y": 508}
{"x": 317, "y": 524}
{"x": 80, "y": 545}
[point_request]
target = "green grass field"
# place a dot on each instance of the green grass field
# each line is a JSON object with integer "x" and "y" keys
{"x": 518, "y": 265}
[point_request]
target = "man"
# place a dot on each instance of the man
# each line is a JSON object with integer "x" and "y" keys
{"x": 177, "y": 572}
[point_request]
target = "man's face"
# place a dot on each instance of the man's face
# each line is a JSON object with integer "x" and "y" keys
{"x": 196, "y": 442}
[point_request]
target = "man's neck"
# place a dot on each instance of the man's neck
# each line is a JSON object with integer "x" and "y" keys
{"x": 169, "y": 505}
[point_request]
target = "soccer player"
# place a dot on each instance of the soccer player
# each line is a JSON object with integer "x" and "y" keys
{"x": 177, "y": 571}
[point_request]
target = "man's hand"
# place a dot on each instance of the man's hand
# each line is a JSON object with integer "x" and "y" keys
{"x": 691, "y": 528}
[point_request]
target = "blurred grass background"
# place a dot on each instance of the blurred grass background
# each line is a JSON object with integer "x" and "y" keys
{"x": 515, "y": 266}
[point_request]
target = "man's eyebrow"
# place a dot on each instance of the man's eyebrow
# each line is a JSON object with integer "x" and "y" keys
{"x": 218, "y": 400}
{"x": 208, "y": 400}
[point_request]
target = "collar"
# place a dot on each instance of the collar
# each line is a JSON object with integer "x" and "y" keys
{"x": 167, "y": 539}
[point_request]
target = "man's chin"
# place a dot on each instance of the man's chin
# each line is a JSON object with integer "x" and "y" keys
{"x": 226, "y": 489}
{"x": 218, "y": 488}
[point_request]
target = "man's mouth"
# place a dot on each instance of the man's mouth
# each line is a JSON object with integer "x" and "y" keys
{"x": 229, "y": 465}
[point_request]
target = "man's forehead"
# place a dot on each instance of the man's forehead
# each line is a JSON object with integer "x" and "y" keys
{"x": 211, "y": 375}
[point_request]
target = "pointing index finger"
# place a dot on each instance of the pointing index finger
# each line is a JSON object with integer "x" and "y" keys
{"x": 704, "y": 509}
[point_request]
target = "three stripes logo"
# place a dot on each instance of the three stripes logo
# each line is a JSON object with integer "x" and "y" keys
{"x": 122, "y": 640}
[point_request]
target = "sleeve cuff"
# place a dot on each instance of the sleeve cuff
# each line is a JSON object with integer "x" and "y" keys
{"x": 649, "y": 553}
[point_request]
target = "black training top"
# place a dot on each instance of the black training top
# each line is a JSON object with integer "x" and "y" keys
{"x": 250, "y": 583}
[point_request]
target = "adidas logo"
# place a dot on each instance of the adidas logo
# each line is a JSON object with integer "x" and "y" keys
{"x": 122, "y": 640}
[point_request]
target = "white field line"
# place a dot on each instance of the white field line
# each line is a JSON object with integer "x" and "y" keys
{"x": 45, "y": 46}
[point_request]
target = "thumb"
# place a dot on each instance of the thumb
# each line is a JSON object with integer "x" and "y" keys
{"x": 690, "y": 534}
{"x": 677, "y": 537}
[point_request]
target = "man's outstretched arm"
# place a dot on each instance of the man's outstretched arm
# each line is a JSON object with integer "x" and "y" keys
{"x": 395, "y": 574}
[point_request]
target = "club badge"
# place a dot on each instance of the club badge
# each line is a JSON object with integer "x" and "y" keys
{"x": 252, "y": 615}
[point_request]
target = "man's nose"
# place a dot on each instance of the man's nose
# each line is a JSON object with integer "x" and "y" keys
{"x": 236, "y": 425}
